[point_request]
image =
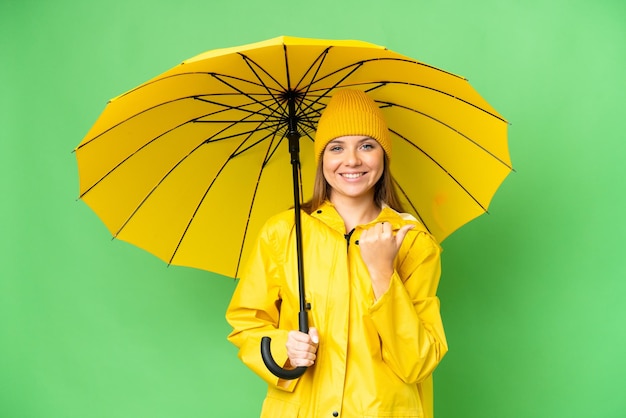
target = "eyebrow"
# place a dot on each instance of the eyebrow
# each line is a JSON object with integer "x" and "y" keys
{"x": 341, "y": 141}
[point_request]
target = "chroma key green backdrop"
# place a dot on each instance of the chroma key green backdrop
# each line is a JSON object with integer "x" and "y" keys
{"x": 533, "y": 294}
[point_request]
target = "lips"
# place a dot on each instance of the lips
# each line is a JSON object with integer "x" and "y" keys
{"x": 352, "y": 175}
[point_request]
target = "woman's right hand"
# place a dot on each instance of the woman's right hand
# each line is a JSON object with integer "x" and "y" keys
{"x": 301, "y": 348}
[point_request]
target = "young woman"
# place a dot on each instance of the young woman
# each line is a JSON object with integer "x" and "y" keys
{"x": 371, "y": 276}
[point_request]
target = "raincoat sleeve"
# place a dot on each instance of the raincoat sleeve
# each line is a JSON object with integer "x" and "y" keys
{"x": 254, "y": 311}
{"x": 407, "y": 316}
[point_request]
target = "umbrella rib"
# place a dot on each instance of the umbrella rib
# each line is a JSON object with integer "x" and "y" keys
{"x": 365, "y": 61}
{"x": 233, "y": 123}
{"x": 233, "y": 155}
{"x": 327, "y": 90}
{"x": 362, "y": 63}
{"x": 406, "y": 196}
{"x": 308, "y": 118}
{"x": 287, "y": 74}
{"x": 241, "y": 151}
{"x": 239, "y": 108}
{"x": 305, "y": 111}
{"x": 495, "y": 157}
{"x": 178, "y": 163}
{"x": 206, "y": 141}
{"x": 317, "y": 63}
{"x": 182, "y": 74}
{"x": 118, "y": 165}
{"x": 262, "y": 84}
{"x": 278, "y": 83}
{"x": 195, "y": 97}
{"x": 320, "y": 58}
{"x": 82, "y": 145}
{"x": 268, "y": 156}
{"x": 156, "y": 186}
{"x": 250, "y": 62}
{"x": 383, "y": 83}
{"x": 449, "y": 95}
{"x": 152, "y": 141}
{"x": 195, "y": 212}
{"x": 442, "y": 168}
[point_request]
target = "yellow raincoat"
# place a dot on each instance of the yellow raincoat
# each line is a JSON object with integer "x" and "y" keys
{"x": 375, "y": 357}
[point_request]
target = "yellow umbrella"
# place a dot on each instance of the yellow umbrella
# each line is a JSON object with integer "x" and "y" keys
{"x": 190, "y": 164}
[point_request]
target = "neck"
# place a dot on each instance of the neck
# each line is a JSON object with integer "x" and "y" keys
{"x": 355, "y": 211}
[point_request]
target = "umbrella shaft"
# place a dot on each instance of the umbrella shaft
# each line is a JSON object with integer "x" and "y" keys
{"x": 294, "y": 149}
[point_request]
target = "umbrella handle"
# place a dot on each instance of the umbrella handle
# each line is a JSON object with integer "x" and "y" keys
{"x": 273, "y": 367}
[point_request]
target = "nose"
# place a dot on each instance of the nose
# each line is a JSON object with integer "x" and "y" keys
{"x": 352, "y": 158}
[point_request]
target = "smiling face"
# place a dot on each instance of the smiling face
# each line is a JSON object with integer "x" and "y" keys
{"x": 352, "y": 165}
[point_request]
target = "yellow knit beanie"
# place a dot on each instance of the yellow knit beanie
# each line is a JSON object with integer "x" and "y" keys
{"x": 351, "y": 112}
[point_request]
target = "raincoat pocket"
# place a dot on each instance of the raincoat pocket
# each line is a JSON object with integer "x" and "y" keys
{"x": 273, "y": 408}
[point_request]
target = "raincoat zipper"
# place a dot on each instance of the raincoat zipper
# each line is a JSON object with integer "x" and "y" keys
{"x": 347, "y": 237}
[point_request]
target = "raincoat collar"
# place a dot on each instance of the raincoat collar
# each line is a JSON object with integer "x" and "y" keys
{"x": 329, "y": 215}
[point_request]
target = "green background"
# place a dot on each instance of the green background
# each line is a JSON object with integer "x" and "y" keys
{"x": 533, "y": 294}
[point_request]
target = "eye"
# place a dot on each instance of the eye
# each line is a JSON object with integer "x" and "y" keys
{"x": 368, "y": 146}
{"x": 334, "y": 148}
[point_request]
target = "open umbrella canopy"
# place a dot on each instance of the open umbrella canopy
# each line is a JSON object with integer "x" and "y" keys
{"x": 190, "y": 164}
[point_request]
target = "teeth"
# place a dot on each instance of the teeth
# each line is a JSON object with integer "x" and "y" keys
{"x": 352, "y": 175}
